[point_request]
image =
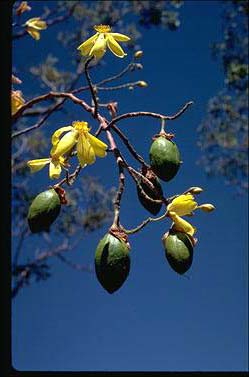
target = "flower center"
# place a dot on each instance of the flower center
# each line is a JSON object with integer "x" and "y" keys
{"x": 102, "y": 28}
{"x": 82, "y": 127}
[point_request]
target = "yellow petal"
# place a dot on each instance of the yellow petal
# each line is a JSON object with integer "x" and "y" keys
{"x": 115, "y": 48}
{"x": 40, "y": 25}
{"x": 36, "y": 23}
{"x": 99, "y": 47}
{"x": 98, "y": 145}
{"x": 120, "y": 37}
{"x": 182, "y": 225}
{"x": 34, "y": 33}
{"x": 57, "y": 134}
{"x": 36, "y": 165}
{"x": 85, "y": 151}
{"x": 183, "y": 204}
{"x": 86, "y": 46}
{"x": 54, "y": 169}
{"x": 65, "y": 143}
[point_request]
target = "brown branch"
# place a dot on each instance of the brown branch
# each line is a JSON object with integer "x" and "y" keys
{"x": 49, "y": 95}
{"x": 92, "y": 88}
{"x": 147, "y": 113}
{"x": 129, "y": 146}
{"x": 121, "y": 86}
{"x": 144, "y": 223}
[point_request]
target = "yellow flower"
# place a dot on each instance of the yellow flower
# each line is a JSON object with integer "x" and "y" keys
{"x": 16, "y": 101}
{"x": 87, "y": 145}
{"x": 33, "y": 25}
{"x": 55, "y": 165}
{"x": 98, "y": 43}
{"x": 184, "y": 205}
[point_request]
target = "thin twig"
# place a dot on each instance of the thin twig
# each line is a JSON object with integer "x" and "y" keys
{"x": 144, "y": 223}
{"x": 92, "y": 89}
{"x": 147, "y": 113}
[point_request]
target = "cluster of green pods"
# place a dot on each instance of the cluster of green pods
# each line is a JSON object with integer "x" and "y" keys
{"x": 112, "y": 256}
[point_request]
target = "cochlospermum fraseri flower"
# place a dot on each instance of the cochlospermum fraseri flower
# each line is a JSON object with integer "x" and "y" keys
{"x": 98, "y": 43}
{"x": 87, "y": 145}
{"x": 184, "y": 205}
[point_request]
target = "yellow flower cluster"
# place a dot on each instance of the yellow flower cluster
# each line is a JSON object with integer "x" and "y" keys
{"x": 63, "y": 142}
{"x": 97, "y": 44}
{"x": 184, "y": 205}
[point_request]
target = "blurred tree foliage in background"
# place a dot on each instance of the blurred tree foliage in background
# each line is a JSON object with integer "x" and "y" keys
{"x": 223, "y": 134}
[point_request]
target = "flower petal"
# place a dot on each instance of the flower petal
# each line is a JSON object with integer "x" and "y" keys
{"x": 85, "y": 151}
{"x": 34, "y": 33}
{"x": 115, "y": 48}
{"x": 120, "y": 37}
{"x": 65, "y": 144}
{"x": 182, "y": 225}
{"x": 86, "y": 46}
{"x": 36, "y": 165}
{"x": 56, "y": 135}
{"x": 183, "y": 204}
{"x": 36, "y": 23}
{"x": 99, "y": 47}
{"x": 54, "y": 169}
{"x": 98, "y": 145}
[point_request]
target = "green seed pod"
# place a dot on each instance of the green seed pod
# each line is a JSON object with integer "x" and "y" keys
{"x": 43, "y": 211}
{"x": 178, "y": 251}
{"x": 157, "y": 194}
{"x": 112, "y": 262}
{"x": 164, "y": 158}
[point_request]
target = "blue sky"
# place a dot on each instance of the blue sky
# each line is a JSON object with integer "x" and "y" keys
{"x": 158, "y": 320}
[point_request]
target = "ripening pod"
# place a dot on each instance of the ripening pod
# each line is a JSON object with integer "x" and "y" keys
{"x": 112, "y": 262}
{"x": 157, "y": 193}
{"x": 43, "y": 211}
{"x": 164, "y": 158}
{"x": 178, "y": 250}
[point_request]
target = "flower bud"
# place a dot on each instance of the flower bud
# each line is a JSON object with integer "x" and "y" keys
{"x": 195, "y": 190}
{"x": 138, "y": 54}
{"x": 142, "y": 84}
{"x": 206, "y": 207}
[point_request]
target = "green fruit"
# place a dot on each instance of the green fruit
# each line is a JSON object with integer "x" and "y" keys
{"x": 112, "y": 262}
{"x": 164, "y": 158}
{"x": 43, "y": 211}
{"x": 157, "y": 194}
{"x": 178, "y": 251}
